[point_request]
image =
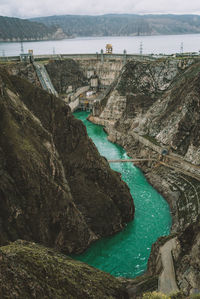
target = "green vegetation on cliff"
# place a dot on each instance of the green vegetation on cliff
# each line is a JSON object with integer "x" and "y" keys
{"x": 28, "y": 271}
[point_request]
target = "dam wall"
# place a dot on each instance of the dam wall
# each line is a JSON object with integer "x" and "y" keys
{"x": 106, "y": 67}
{"x": 106, "y": 72}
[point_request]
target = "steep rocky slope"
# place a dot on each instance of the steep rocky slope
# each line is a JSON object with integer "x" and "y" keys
{"x": 158, "y": 105}
{"x": 155, "y": 106}
{"x": 141, "y": 83}
{"x": 172, "y": 119}
{"x": 23, "y": 70}
{"x": 65, "y": 73}
{"x": 28, "y": 270}
{"x": 55, "y": 188}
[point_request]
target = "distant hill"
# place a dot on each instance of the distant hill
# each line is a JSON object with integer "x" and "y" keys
{"x": 59, "y": 27}
{"x": 124, "y": 24}
{"x": 14, "y": 29}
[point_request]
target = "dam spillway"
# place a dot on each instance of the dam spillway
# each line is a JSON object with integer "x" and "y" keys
{"x": 126, "y": 253}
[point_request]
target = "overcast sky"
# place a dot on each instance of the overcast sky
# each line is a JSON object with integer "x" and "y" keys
{"x": 35, "y": 8}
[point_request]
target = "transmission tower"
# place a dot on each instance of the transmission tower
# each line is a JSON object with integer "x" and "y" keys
{"x": 22, "y": 47}
{"x": 141, "y": 48}
{"x": 3, "y": 53}
{"x": 181, "y": 48}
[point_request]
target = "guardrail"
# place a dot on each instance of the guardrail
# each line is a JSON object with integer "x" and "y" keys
{"x": 80, "y": 56}
{"x": 99, "y": 56}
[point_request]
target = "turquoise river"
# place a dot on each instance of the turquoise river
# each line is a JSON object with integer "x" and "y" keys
{"x": 126, "y": 253}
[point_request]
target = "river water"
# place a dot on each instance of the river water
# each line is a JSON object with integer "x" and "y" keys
{"x": 166, "y": 44}
{"x": 126, "y": 253}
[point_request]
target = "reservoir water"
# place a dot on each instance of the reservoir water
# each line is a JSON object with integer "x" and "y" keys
{"x": 166, "y": 44}
{"x": 126, "y": 253}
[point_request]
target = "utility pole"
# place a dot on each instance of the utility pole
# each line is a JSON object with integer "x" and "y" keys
{"x": 3, "y": 53}
{"x": 54, "y": 52}
{"x": 141, "y": 48}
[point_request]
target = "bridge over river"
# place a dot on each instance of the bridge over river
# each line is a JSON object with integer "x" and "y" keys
{"x": 173, "y": 161}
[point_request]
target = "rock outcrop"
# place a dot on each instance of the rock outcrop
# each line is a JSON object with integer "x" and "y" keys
{"x": 28, "y": 270}
{"x": 23, "y": 70}
{"x": 55, "y": 188}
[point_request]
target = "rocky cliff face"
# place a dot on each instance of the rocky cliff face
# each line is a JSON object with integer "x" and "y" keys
{"x": 155, "y": 105}
{"x": 172, "y": 119}
{"x": 55, "y": 188}
{"x": 31, "y": 271}
{"x": 23, "y": 70}
{"x": 168, "y": 119}
{"x": 140, "y": 84}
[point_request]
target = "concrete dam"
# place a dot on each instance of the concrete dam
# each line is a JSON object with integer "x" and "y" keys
{"x": 100, "y": 70}
{"x": 100, "y": 73}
